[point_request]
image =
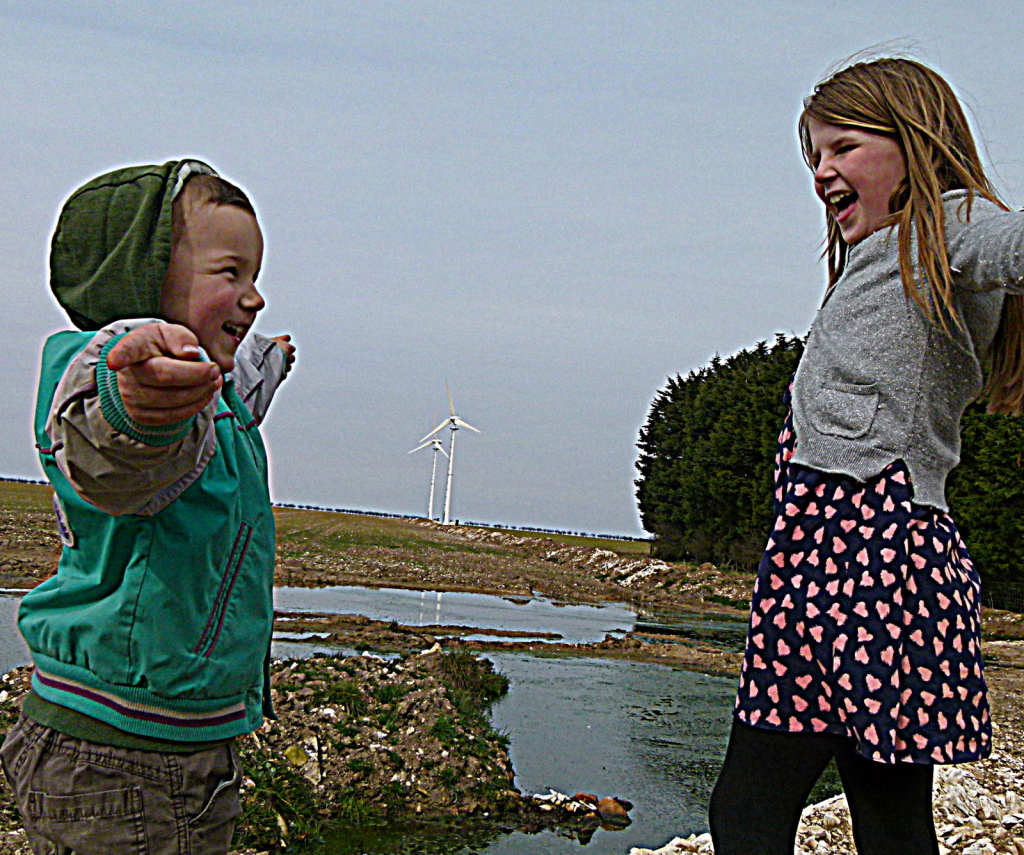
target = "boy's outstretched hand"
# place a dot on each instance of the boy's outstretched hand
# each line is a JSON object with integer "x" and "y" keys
{"x": 285, "y": 343}
{"x": 159, "y": 375}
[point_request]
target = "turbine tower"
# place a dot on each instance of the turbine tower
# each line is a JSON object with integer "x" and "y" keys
{"x": 453, "y": 422}
{"x": 434, "y": 443}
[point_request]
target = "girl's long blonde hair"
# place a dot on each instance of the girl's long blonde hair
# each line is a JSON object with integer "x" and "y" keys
{"x": 908, "y": 102}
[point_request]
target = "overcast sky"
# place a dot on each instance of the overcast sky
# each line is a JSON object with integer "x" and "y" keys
{"x": 555, "y": 205}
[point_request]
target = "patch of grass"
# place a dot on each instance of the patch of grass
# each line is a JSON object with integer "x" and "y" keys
{"x": 388, "y": 719}
{"x": 725, "y": 601}
{"x": 347, "y": 695}
{"x": 474, "y": 678}
{"x": 389, "y": 693}
{"x": 448, "y": 776}
{"x": 828, "y": 785}
{"x": 359, "y": 766}
{"x": 279, "y": 792}
{"x": 444, "y": 729}
{"x": 351, "y": 809}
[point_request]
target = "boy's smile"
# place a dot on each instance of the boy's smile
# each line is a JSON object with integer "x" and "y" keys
{"x": 210, "y": 286}
{"x": 855, "y": 175}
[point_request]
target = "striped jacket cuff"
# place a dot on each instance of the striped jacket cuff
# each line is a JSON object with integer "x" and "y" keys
{"x": 114, "y": 411}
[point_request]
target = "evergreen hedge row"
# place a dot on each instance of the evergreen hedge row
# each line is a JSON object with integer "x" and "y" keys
{"x": 707, "y": 457}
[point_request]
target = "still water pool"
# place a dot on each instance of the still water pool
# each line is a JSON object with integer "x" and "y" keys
{"x": 492, "y": 615}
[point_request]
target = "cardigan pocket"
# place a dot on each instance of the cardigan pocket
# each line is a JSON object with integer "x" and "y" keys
{"x": 845, "y": 409}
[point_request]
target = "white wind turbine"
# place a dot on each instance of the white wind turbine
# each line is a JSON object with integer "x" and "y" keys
{"x": 454, "y": 423}
{"x": 434, "y": 443}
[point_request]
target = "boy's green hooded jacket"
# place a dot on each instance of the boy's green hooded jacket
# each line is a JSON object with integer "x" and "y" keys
{"x": 156, "y": 624}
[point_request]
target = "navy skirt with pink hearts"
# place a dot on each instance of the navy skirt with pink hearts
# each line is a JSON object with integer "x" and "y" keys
{"x": 865, "y": 620}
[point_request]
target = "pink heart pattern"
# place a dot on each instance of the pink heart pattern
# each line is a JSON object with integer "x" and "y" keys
{"x": 880, "y": 637}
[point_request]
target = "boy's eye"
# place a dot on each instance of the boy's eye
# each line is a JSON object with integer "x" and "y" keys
{"x": 231, "y": 271}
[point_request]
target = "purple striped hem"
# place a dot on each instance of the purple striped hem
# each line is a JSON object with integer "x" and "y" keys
{"x": 213, "y": 720}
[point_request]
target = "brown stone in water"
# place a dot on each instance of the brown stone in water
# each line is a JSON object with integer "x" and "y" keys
{"x": 612, "y": 812}
{"x": 587, "y": 798}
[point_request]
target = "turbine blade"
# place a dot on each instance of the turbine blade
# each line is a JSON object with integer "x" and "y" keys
{"x": 443, "y": 424}
{"x": 418, "y": 447}
{"x": 445, "y": 453}
{"x": 451, "y": 406}
{"x": 461, "y": 423}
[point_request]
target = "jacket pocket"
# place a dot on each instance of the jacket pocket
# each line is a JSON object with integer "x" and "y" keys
{"x": 845, "y": 409}
{"x": 215, "y": 622}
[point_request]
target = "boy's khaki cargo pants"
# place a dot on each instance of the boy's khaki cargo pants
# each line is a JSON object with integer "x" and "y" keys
{"x": 88, "y": 799}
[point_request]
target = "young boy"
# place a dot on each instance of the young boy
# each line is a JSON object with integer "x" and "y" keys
{"x": 152, "y": 640}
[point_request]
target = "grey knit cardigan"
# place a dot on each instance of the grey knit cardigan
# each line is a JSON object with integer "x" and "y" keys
{"x": 878, "y": 382}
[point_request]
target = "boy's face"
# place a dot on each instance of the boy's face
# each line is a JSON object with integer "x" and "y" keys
{"x": 210, "y": 286}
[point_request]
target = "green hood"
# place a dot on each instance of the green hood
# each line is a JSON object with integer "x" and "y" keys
{"x": 110, "y": 251}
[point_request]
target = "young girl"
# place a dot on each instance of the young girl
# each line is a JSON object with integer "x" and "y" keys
{"x": 864, "y": 640}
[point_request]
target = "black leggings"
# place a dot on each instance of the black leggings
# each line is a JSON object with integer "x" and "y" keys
{"x": 767, "y": 775}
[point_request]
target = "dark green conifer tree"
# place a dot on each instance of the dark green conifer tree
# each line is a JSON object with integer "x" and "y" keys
{"x": 707, "y": 451}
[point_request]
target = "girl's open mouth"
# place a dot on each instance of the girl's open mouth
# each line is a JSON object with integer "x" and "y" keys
{"x": 841, "y": 203}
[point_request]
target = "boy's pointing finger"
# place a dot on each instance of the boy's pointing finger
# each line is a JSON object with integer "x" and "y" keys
{"x": 151, "y": 340}
{"x": 168, "y": 372}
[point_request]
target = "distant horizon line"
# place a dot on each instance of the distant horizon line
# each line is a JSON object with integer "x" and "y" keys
{"x": 391, "y": 515}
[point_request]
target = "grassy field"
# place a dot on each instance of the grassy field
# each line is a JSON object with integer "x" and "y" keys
{"x": 324, "y": 530}
{"x": 15, "y": 496}
{"x": 622, "y": 547}
{"x": 334, "y": 530}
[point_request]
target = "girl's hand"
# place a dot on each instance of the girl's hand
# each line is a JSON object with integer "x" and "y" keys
{"x": 285, "y": 343}
{"x": 160, "y": 376}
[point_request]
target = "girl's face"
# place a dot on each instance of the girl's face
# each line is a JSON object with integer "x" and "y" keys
{"x": 855, "y": 175}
